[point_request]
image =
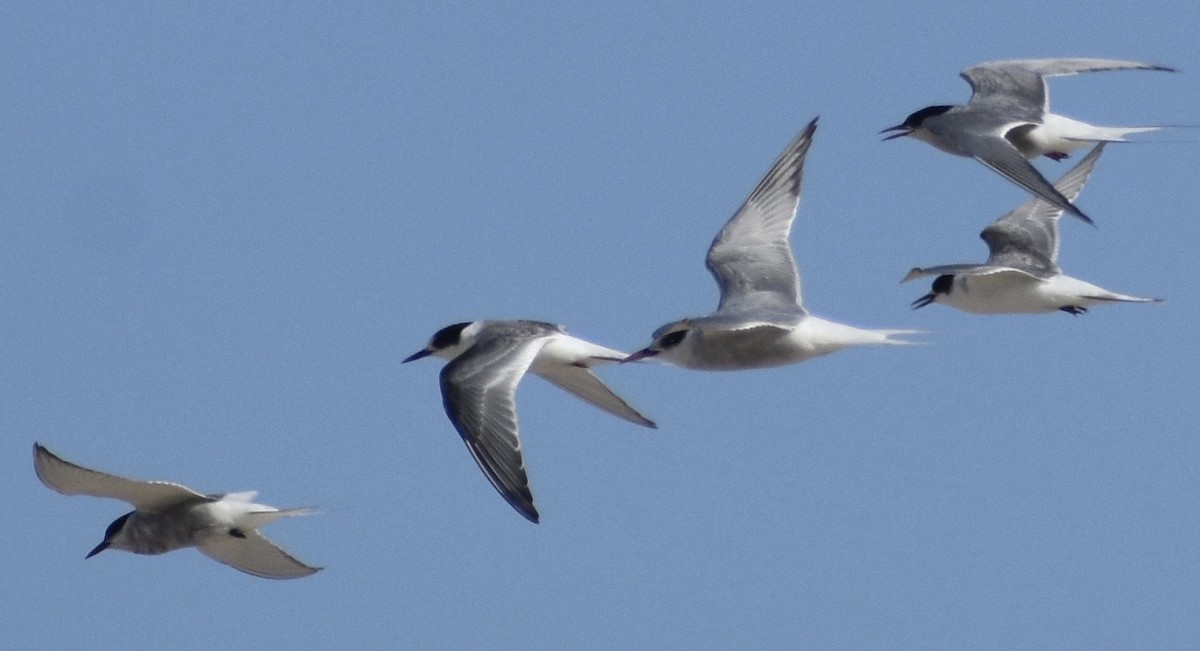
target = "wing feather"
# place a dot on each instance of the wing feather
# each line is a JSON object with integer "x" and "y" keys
{"x": 1027, "y": 237}
{"x": 254, "y": 554}
{"x": 72, "y": 479}
{"x": 478, "y": 393}
{"x": 1022, "y": 82}
{"x": 750, "y": 258}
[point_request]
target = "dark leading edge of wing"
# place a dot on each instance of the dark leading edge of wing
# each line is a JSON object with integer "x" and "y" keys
{"x": 478, "y": 390}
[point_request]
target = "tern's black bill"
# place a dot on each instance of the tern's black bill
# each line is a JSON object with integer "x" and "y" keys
{"x": 923, "y": 301}
{"x": 417, "y": 355}
{"x": 641, "y": 354}
{"x": 97, "y": 549}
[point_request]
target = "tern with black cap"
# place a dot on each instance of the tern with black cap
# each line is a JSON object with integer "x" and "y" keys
{"x": 1007, "y": 122}
{"x": 1022, "y": 274}
{"x": 169, "y": 516}
{"x": 759, "y": 321}
{"x": 487, "y": 359}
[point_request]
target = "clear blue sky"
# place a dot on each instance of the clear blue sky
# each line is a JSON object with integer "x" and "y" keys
{"x": 223, "y": 225}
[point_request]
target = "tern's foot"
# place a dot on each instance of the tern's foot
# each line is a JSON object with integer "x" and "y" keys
{"x": 1073, "y": 309}
{"x": 1057, "y": 155}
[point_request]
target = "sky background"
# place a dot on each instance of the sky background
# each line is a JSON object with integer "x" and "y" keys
{"x": 223, "y": 226}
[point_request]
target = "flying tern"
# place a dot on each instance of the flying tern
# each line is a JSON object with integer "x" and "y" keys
{"x": 487, "y": 359}
{"x": 759, "y": 321}
{"x": 170, "y": 516}
{"x": 1008, "y": 122}
{"x": 1021, "y": 274}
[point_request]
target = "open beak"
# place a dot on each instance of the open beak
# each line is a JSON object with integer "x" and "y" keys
{"x": 923, "y": 301}
{"x": 900, "y": 130}
{"x": 425, "y": 352}
{"x": 99, "y": 548}
{"x": 641, "y": 354}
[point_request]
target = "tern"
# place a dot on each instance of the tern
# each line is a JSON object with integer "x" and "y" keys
{"x": 1021, "y": 274}
{"x": 169, "y": 516}
{"x": 487, "y": 359}
{"x": 759, "y": 321}
{"x": 1008, "y": 122}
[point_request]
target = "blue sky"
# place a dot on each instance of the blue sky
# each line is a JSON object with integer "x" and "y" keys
{"x": 223, "y": 225}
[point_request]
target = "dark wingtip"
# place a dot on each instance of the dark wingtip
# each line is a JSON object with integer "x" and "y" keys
{"x": 811, "y": 126}
{"x": 522, "y": 502}
{"x": 530, "y": 513}
{"x": 1074, "y": 210}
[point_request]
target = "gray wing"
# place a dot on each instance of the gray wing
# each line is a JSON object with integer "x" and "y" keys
{"x": 969, "y": 270}
{"x": 254, "y": 554}
{"x": 751, "y": 258}
{"x": 584, "y": 384}
{"x": 478, "y": 392}
{"x": 1001, "y": 157}
{"x": 1027, "y": 238}
{"x": 941, "y": 270}
{"x": 71, "y": 479}
{"x": 1021, "y": 82}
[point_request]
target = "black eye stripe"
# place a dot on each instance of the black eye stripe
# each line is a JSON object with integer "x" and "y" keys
{"x": 673, "y": 338}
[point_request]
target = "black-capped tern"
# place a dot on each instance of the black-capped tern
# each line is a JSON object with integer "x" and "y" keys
{"x": 759, "y": 321}
{"x": 1021, "y": 274}
{"x": 170, "y": 516}
{"x": 487, "y": 359}
{"x": 1008, "y": 122}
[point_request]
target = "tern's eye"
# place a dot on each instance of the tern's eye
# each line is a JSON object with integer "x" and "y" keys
{"x": 672, "y": 339}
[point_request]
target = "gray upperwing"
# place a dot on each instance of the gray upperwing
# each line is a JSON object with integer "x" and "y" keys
{"x": 584, "y": 384}
{"x": 940, "y": 270}
{"x": 1027, "y": 238}
{"x": 1022, "y": 81}
{"x": 72, "y": 479}
{"x": 1003, "y": 158}
{"x": 1002, "y": 84}
{"x": 254, "y": 554}
{"x": 478, "y": 393}
{"x": 750, "y": 258}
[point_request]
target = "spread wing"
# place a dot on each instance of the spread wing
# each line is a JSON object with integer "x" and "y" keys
{"x": 253, "y": 554}
{"x": 1022, "y": 82}
{"x": 1027, "y": 238}
{"x": 478, "y": 392}
{"x": 940, "y": 270}
{"x": 1004, "y": 159}
{"x": 71, "y": 479}
{"x": 584, "y": 384}
{"x": 751, "y": 258}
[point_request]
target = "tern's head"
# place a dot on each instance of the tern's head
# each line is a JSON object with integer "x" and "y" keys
{"x": 941, "y": 287}
{"x": 915, "y": 121}
{"x": 114, "y": 535}
{"x": 666, "y": 341}
{"x": 448, "y": 342}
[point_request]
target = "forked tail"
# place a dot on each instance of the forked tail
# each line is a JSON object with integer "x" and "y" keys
{"x": 892, "y": 337}
{"x": 265, "y": 515}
